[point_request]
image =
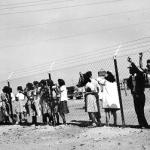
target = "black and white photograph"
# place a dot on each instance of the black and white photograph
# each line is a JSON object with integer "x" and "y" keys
{"x": 74, "y": 75}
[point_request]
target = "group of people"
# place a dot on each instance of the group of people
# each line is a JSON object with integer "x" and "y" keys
{"x": 43, "y": 98}
{"x": 104, "y": 88}
{"x": 138, "y": 80}
{"x": 49, "y": 100}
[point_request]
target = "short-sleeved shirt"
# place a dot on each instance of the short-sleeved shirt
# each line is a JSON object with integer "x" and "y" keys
{"x": 20, "y": 96}
{"x": 95, "y": 84}
{"x": 63, "y": 95}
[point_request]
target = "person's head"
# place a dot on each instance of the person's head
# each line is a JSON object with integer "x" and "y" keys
{"x": 7, "y": 89}
{"x": 89, "y": 74}
{"x": 35, "y": 83}
{"x": 19, "y": 89}
{"x": 132, "y": 70}
{"x": 29, "y": 86}
{"x": 109, "y": 77}
{"x": 148, "y": 64}
{"x": 49, "y": 82}
{"x": 43, "y": 83}
{"x": 61, "y": 82}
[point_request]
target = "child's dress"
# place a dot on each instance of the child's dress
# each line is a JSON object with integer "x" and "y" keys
{"x": 91, "y": 103}
{"x": 110, "y": 94}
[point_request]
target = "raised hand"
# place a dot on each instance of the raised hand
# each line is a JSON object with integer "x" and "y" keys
{"x": 129, "y": 59}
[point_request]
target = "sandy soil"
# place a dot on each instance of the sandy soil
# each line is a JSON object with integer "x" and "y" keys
{"x": 73, "y": 137}
{"x": 77, "y": 135}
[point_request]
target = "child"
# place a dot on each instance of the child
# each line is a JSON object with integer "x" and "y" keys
{"x": 63, "y": 108}
{"x": 91, "y": 105}
{"x": 21, "y": 111}
{"x": 110, "y": 96}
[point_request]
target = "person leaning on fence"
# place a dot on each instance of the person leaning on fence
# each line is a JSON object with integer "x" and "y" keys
{"x": 110, "y": 98}
{"x": 36, "y": 94}
{"x": 91, "y": 103}
{"x": 95, "y": 91}
{"x": 45, "y": 103}
{"x": 145, "y": 70}
{"x": 30, "y": 102}
{"x": 20, "y": 110}
{"x": 4, "y": 118}
{"x": 147, "y": 73}
{"x": 63, "y": 107}
{"x": 55, "y": 104}
{"x": 6, "y": 109}
{"x": 136, "y": 83}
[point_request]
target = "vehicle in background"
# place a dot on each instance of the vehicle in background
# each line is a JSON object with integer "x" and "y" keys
{"x": 74, "y": 92}
{"x": 70, "y": 91}
{"x": 78, "y": 94}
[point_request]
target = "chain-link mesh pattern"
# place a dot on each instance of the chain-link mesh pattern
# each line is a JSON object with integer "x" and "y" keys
{"x": 70, "y": 74}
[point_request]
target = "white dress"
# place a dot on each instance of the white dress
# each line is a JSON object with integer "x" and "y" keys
{"x": 110, "y": 96}
{"x": 21, "y": 102}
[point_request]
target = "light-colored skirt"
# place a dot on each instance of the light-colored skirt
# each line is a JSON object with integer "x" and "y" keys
{"x": 91, "y": 103}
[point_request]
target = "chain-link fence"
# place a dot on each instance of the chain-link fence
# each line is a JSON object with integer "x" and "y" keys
{"x": 70, "y": 73}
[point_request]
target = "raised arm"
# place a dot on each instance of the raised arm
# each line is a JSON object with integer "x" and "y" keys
{"x": 133, "y": 65}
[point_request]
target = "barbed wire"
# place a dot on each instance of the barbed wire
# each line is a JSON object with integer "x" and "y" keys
{"x": 94, "y": 52}
{"x": 80, "y": 62}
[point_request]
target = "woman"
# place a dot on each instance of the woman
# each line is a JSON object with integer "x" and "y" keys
{"x": 94, "y": 86}
{"x": 21, "y": 111}
{"x": 63, "y": 108}
{"x": 45, "y": 103}
{"x": 37, "y": 97}
{"x": 91, "y": 102}
{"x": 110, "y": 96}
{"x": 31, "y": 103}
{"x": 5, "y": 104}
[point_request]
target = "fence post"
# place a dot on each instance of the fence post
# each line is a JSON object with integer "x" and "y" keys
{"x": 119, "y": 91}
{"x": 50, "y": 79}
{"x": 10, "y": 102}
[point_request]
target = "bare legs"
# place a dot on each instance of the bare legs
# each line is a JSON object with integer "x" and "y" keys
{"x": 114, "y": 114}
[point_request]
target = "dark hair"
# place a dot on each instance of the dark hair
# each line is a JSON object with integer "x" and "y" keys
{"x": 29, "y": 86}
{"x": 61, "y": 82}
{"x": 89, "y": 74}
{"x": 110, "y": 77}
{"x": 35, "y": 83}
{"x": 49, "y": 82}
{"x": 43, "y": 82}
{"x": 19, "y": 88}
{"x": 148, "y": 61}
{"x": 7, "y": 89}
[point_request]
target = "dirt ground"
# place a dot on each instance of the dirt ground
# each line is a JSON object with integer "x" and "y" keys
{"x": 77, "y": 135}
{"x": 73, "y": 137}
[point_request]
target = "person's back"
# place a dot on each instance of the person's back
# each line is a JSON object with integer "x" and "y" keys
{"x": 136, "y": 81}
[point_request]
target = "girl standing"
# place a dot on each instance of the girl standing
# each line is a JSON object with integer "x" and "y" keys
{"x": 110, "y": 96}
{"x": 91, "y": 106}
{"x": 21, "y": 111}
{"x": 63, "y": 108}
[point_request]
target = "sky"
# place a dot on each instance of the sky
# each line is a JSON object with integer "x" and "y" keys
{"x": 37, "y": 33}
